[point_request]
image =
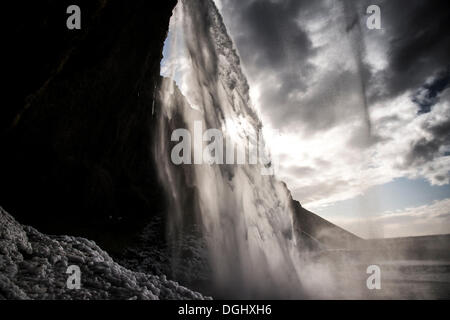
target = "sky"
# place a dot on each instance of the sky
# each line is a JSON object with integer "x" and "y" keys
{"x": 363, "y": 115}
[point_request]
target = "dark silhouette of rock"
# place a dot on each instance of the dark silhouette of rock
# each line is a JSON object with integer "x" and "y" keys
{"x": 76, "y": 132}
{"x": 317, "y": 232}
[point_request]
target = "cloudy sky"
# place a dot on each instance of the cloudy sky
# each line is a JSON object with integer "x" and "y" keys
{"x": 363, "y": 115}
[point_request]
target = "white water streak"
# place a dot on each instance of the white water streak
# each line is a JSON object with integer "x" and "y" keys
{"x": 246, "y": 218}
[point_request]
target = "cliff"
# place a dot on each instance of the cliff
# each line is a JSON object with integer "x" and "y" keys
{"x": 76, "y": 133}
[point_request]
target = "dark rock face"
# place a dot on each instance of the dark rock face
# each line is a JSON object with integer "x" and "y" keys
{"x": 76, "y": 134}
{"x": 317, "y": 232}
{"x": 33, "y": 266}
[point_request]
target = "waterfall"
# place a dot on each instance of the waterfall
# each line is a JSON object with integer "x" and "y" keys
{"x": 243, "y": 216}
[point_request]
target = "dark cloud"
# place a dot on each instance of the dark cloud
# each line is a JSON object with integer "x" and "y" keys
{"x": 271, "y": 43}
{"x": 428, "y": 95}
{"x": 419, "y": 41}
{"x": 269, "y": 39}
{"x": 426, "y": 149}
{"x": 272, "y": 38}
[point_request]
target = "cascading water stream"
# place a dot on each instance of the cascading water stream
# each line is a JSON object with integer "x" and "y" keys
{"x": 245, "y": 217}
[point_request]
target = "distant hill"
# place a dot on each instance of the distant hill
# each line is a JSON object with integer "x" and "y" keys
{"x": 318, "y": 232}
{"x": 433, "y": 247}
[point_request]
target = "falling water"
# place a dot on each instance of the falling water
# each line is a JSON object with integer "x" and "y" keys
{"x": 245, "y": 217}
{"x": 229, "y": 222}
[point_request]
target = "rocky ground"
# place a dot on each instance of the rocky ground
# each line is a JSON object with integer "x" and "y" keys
{"x": 34, "y": 265}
